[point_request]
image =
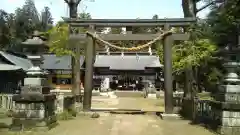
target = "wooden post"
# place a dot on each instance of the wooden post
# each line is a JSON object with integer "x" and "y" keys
{"x": 77, "y": 71}
{"x": 88, "y": 86}
{"x": 238, "y": 40}
{"x": 168, "y": 94}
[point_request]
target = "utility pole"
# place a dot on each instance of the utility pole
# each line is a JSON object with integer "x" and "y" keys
{"x": 73, "y": 5}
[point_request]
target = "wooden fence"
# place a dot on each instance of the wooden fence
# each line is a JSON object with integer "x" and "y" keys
{"x": 204, "y": 113}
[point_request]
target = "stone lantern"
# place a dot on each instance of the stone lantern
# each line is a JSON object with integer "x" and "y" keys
{"x": 226, "y": 104}
{"x": 34, "y": 106}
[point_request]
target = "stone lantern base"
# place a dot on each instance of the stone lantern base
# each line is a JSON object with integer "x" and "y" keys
{"x": 34, "y": 112}
{"x": 226, "y": 110}
{"x": 227, "y": 121}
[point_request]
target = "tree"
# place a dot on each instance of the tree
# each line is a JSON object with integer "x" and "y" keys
{"x": 27, "y": 20}
{"x": 223, "y": 26}
{"x": 58, "y": 37}
{"x": 58, "y": 40}
{"x": 189, "y": 10}
{"x": 30, "y": 10}
{"x": 5, "y": 35}
{"x": 85, "y": 16}
{"x": 192, "y": 53}
{"x": 190, "y": 6}
{"x": 46, "y": 19}
{"x": 60, "y": 45}
{"x": 224, "y": 21}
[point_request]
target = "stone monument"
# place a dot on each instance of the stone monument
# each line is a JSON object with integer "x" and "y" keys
{"x": 34, "y": 106}
{"x": 226, "y": 107}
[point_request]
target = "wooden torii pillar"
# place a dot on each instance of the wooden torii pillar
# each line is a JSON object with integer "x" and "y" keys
{"x": 88, "y": 80}
{"x": 168, "y": 41}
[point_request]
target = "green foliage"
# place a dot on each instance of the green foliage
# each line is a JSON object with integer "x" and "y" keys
{"x": 58, "y": 40}
{"x": 27, "y": 20}
{"x": 17, "y": 27}
{"x": 224, "y": 20}
{"x": 46, "y": 19}
{"x": 67, "y": 114}
{"x": 190, "y": 54}
{"x": 5, "y": 34}
{"x": 58, "y": 37}
{"x": 222, "y": 28}
{"x": 95, "y": 115}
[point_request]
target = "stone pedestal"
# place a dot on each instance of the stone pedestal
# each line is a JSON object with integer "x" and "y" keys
{"x": 34, "y": 111}
{"x": 228, "y": 122}
{"x": 29, "y": 114}
{"x": 226, "y": 110}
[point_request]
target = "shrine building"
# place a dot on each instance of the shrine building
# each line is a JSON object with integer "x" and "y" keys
{"x": 121, "y": 72}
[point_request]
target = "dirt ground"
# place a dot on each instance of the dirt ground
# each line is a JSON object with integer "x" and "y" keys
{"x": 139, "y": 103}
{"x": 122, "y": 124}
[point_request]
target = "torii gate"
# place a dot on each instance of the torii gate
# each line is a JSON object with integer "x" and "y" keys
{"x": 168, "y": 39}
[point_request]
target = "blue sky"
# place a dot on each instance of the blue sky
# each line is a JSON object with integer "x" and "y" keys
{"x": 111, "y": 9}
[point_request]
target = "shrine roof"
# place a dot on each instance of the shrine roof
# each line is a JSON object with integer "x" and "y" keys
{"x": 52, "y": 61}
{"x": 114, "y": 62}
{"x": 8, "y": 67}
{"x": 13, "y": 60}
{"x": 127, "y": 62}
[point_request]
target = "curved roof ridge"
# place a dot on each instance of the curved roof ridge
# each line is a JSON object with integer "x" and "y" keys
{"x": 25, "y": 64}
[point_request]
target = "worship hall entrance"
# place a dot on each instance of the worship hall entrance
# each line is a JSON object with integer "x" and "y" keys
{"x": 127, "y": 82}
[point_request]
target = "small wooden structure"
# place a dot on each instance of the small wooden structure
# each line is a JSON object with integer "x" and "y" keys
{"x": 12, "y": 71}
{"x": 165, "y": 24}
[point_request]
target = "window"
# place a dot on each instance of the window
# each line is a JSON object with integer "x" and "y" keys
{"x": 54, "y": 80}
{"x": 233, "y": 57}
